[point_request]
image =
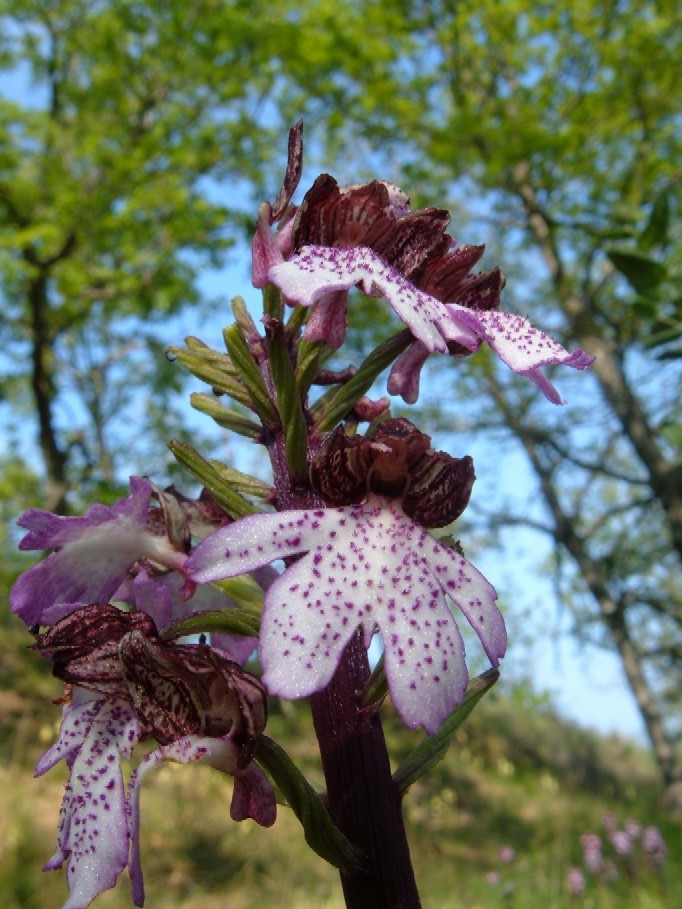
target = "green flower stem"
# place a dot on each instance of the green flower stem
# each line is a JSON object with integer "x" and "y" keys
{"x": 288, "y": 402}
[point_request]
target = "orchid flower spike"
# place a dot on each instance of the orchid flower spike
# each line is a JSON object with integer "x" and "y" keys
{"x": 369, "y": 565}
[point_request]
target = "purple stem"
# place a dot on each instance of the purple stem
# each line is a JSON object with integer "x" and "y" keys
{"x": 363, "y": 801}
{"x": 362, "y": 798}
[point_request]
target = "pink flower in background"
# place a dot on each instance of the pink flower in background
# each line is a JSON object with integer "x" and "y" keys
{"x": 507, "y": 854}
{"x": 621, "y": 842}
{"x": 633, "y": 828}
{"x": 575, "y": 882}
{"x": 592, "y": 852}
{"x": 653, "y": 844}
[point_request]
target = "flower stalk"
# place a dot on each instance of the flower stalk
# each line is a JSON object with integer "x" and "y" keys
{"x": 363, "y": 799}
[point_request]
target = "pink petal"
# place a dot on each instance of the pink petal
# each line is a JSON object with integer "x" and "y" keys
{"x": 367, "y": 565}
{"x": 474, "y": 595}
{"x": 319, "y": 270}
{"x": 265, "y": 251}
{"x": 309, "y": 617}
{"x": 518, "y": 343}
{"x": 424, "y": 654}
{"x": 51, "y": 531}
{"x": 328, "y": 320}
{"x": 93, "y": 554}
{"x": 252, "y": 797}
{"x": 257, "y": 540}
{"x": 403, "y": 379}
{"x": 93, "y": 828}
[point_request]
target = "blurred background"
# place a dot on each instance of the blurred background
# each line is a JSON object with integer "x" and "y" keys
{"x": 136, "y": 141}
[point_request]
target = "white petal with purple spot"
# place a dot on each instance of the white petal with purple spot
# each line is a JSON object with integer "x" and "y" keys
{"x": 319, "y": 270}
{"x": 366, "y": 566}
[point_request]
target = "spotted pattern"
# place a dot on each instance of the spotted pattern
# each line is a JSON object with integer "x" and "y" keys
{"x": 519, "y": 344}
{"x": 93, "y": 829}
{"x": 319, "y": 270}
{"x": 99, "y": 827}
{"x": 367, "y": 565}
{"x": 525, "y": 349}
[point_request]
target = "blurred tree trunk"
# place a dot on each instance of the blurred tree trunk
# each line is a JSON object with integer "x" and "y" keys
{"x": 115, "y": 119}
{"x": 612, "y": 607}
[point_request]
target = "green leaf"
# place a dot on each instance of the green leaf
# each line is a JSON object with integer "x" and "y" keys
{"x": 311, "y": 356}
{"x": 433, "y": 748}
{"x": 214, "y": 368}
{"x": 244, "y": 591}
{"x": 336, "y": 404}
{"x": 643, "y": 273}
{"x": 655, "y": 232}
{"x": 226, "y": 417}
{"x": 250, "y": 375}
{"x": 673, "y": 433}
{"x": 243, "y": 318}
{"x": 243, "y": 482}
{"x": 232, "y": 620}
{"x": 320, "y": 832}
{"x": 233, "y": 503}
{"x": 663, "y": 336}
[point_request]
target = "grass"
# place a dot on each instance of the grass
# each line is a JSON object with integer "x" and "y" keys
{"x": 514, "y": 776}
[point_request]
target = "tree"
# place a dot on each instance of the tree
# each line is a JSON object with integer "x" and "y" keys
{"x": 107, "y": 213}
{"x": 560, "y": 125}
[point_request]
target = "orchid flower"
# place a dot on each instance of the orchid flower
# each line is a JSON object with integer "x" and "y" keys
{"x": 99, "y": 826}
{"x": 92, "y": 554}
{"x": 129, "y": 684}
{"x": 128, "y": 552}
{"x": 367, "y": 565}
{"x": 317, "y": 271}
{"x": 93, "y": 833}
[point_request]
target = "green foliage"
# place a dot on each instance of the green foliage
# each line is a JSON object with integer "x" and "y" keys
{"x": 217, "y": 483}
{"x": 125, "y": 120}
{"x": 433, "y": 749}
